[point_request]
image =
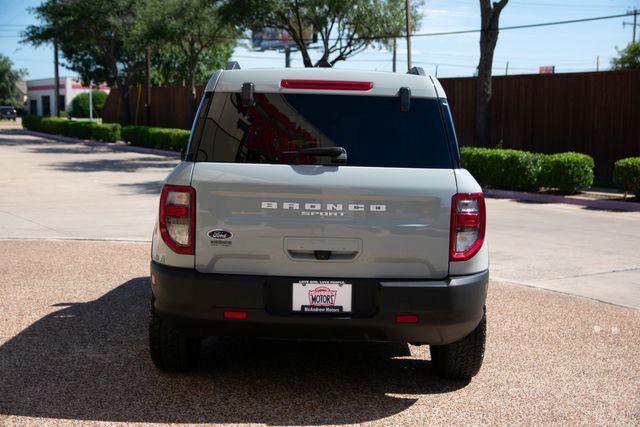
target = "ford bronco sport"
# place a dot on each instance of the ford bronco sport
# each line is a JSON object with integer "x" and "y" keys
{"x": 321, "y": 204}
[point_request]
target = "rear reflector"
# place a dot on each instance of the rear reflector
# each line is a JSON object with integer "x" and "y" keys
{"x": 235, "y": 315}
{"x": 326, "y": 85}
{"x": 407, "y": 318}
{"x": 468, "y": 224}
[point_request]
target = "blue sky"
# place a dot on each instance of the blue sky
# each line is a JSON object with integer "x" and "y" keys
{"x": 572, "y": 47}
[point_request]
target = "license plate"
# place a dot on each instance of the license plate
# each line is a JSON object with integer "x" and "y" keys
{"x": 321, "y": 296}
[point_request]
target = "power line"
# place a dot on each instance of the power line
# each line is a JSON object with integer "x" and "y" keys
{"x": 517, "y": 27}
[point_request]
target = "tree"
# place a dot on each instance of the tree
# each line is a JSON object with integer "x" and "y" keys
{"x": 628, "y": 58}
{"x": 80, "y": 104}
{"x": 107, "y": 40}
{"x": 8, "y": 79}
{"x": 193, "y": 40}
{"x": 99, "y": 39}
{"x": 344, "y": 27}
{"x": 490, "y": 17}
{"x": 397, "y": 25}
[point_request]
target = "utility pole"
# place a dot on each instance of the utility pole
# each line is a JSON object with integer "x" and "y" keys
{"x": 634, "y": 25}
{"x": 147, "y": 77}
{"x": 597, "y": 63}
{"x": 56, "y": 77}
{"x": 408, "y": 13}
{"x": 395, "y": 51}
{"x": 436, "y": 71}
{"x": 506, "y": 70}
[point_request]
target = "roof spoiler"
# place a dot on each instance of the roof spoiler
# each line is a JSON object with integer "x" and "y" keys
{"x": 418, "y": 71}
{"x": 233, "y": 65}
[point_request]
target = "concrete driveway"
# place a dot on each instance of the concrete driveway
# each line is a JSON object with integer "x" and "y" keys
{"x": 62, "y": 190}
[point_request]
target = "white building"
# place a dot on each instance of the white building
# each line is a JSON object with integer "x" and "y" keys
{"x": 40, "y": 93}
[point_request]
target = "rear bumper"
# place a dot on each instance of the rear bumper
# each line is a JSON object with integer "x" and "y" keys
{"x": 194, "y": 303}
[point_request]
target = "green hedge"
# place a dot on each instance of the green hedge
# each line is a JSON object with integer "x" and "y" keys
{"x": 626, "y": 175}
{"x": 505, "y": 169}
{"x": 568, "y": 173}
{"x": 80, "y": 104}
{"x": 109, "y": 132}
{"x": 154, "y": 137}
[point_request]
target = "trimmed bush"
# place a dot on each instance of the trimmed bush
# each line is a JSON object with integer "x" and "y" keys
{"x": 31, "y": 122}
{"x": 569, "y": 173}
{"x": 80, "y": 104}
{"x": 626, "y": 175}
{"x": 155, "y": 137}
{"x": 109, "y": 132}
{"x": 136, "y": 135}
{"x": 505, "y": 169}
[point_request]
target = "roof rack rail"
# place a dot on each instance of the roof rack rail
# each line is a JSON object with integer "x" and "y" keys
{"x": 233, "y": 65}
{"x": 419, "y": 71}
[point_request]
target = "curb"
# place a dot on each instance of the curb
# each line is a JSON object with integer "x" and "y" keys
{"x": 611, "y": 205}
{"x": 112, "y": 145}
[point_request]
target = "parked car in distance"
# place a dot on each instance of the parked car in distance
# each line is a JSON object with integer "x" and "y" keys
{"x": 8, "y": 112}
{"x": 321, "y": 204}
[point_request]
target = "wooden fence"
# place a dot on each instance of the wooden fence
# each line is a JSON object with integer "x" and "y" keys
{"x": 170, "y": 106}
{"x": 593, "y": 113}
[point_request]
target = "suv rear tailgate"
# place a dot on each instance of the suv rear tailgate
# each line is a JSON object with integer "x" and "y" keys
{"x": 284, "y": 220}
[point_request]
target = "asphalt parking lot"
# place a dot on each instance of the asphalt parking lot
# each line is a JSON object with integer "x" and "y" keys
{"x": 74, "y": 314}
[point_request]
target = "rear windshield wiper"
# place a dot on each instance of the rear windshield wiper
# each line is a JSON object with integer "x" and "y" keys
{"x": 337, "y": 154}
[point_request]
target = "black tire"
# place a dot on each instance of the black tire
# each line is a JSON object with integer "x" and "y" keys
{"x": 461, "y": 359}
{"x": 170, "y": 350}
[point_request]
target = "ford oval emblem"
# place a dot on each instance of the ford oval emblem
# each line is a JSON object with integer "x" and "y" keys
{"x": 219, "y": 234}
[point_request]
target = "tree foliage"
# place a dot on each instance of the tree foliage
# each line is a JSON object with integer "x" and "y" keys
{"x": 9, "y": 76}
{"x": 99, "y": 39}
{"x": 80, "y": 104}
{"x": 344, "y": 28}
{"x": 628, "y": 58}
{"x": 107, "y": 40}
{"x": 193, "y": 39}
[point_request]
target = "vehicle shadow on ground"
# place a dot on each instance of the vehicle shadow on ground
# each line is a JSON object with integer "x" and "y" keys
{"x": 90, "y": 362}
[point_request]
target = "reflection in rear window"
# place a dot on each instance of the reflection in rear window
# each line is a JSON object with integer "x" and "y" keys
{"x": 372, "y": 129}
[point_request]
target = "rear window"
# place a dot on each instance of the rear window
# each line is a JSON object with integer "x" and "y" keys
{"x": 372, "y": 130}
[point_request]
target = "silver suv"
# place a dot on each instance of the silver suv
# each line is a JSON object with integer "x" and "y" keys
{"x": 321, "y": 204}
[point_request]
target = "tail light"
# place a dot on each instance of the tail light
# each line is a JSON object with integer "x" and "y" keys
{"x": 178, "y": 218}
{"x": 468, "y": 223}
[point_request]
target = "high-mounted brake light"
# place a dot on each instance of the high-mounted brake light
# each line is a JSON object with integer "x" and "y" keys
{"x": 178, "y": 218}
{"x": 468, "y": 224}
{"x": 325, "y": 85}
